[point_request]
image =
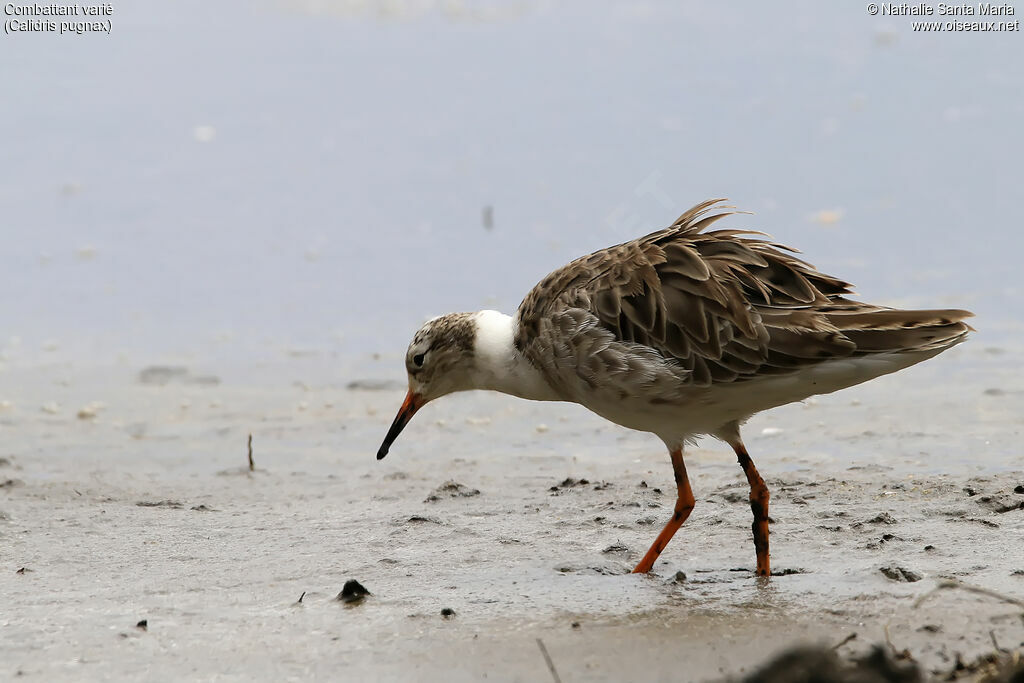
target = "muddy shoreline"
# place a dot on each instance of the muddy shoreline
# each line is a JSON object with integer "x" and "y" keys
{"x": 522, "y": 519}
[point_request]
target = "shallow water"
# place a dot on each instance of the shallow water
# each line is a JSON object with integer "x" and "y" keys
{"x": 316, "y": 174}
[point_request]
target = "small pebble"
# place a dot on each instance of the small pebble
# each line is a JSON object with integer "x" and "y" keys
{"x": 90, "y": 410}
{"x": 353, "y": 592}
{"x": 447, "y": 613}
{"x": 896, "y": 573}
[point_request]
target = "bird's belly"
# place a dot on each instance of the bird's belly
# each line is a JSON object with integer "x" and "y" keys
{"x": 705, "y": 410}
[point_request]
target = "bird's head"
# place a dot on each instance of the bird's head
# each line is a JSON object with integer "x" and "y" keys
{"x": 439, "y": 361}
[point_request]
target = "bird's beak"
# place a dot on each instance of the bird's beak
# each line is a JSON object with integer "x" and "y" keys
{"x": 412, "y": 403}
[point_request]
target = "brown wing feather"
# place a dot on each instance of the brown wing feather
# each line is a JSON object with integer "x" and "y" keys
{"x": 721, "y": 306}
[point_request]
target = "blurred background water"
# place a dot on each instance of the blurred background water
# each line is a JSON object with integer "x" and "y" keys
{"x": 234, "y": 181}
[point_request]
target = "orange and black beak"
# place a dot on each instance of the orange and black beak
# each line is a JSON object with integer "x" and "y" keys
{"x": 413, "y": 402}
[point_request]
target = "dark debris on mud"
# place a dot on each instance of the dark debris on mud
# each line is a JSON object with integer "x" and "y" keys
{"x": 601, "y": 570}
{"x": 897, "y": 573}
{"x": 616, "y": 549}
{"x": 173, "y": 504}
{"x": 818, "y": 664}
{"x": 353, "y": 592}
{"x": 161, "y": 375}
{"x": 568, "y": 483}
{"x": 451, "y": 489}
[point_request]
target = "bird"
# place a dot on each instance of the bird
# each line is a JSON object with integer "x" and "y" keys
{"x": 684, "y": 333}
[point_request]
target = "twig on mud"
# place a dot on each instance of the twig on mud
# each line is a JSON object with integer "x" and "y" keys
{"x": 845, "y": 640}
{"x": 547, "y": 658}
{"x": 252, "y": 465}
{"x": 972, "y": 589}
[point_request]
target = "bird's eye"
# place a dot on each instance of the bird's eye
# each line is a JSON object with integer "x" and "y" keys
{"x": 418, "y": 359}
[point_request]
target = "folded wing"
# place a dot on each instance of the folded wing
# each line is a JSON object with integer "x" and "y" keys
{"x": 718, "y": 306}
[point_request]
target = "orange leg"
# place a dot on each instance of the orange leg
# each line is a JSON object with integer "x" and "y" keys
{"x": 759, "y": 506}
{"x": 684, "y": 504}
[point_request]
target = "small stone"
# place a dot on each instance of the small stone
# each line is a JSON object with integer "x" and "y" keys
{"x": 447, "y": 613}
{"x": 735, "y": 497}
{"x": 883, "y": 518}
{"x": 143, "y": 625}
{"x": 90, "y": 410}
{"x": 896, "y": 573}
{"x": 451, "y": 489}
{"x": 679, "y": 577}
{"x": 1001, "y": 503}
{"x": 353, "y": 592}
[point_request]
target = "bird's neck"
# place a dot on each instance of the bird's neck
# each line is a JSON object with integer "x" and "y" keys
{"x": 499, "y": 365}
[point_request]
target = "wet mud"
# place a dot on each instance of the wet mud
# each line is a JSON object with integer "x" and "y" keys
{"x": 896, "y": 521}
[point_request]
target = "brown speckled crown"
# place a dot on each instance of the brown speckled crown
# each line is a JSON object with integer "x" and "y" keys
{"x": 452, "y": 331}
